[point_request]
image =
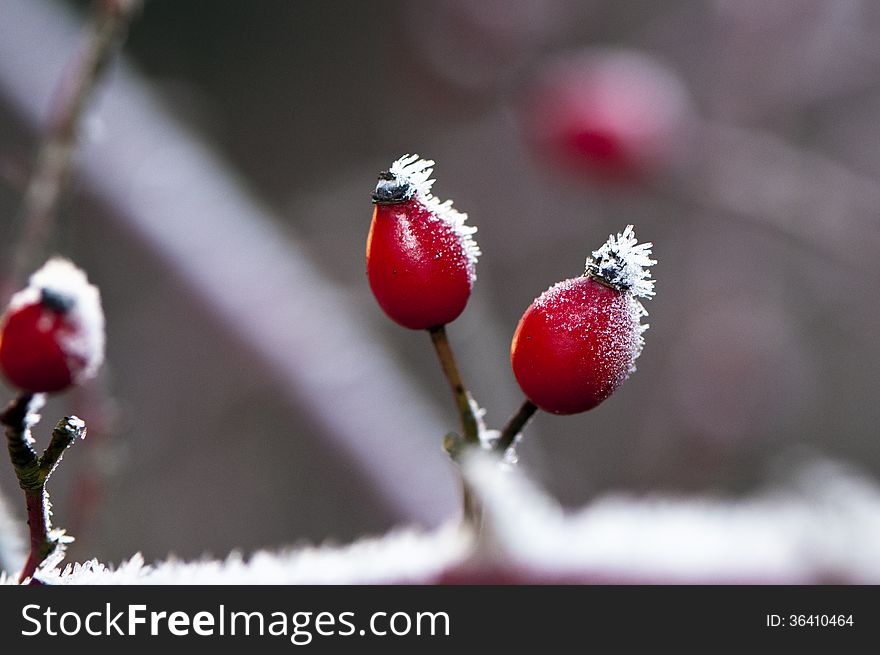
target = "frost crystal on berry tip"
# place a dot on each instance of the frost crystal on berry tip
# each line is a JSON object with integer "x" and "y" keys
{"x": 623, "y": 263}
{"x": 417, "y": 173}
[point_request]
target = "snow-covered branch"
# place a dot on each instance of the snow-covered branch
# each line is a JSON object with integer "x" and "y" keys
{"x": 820, "y": 526}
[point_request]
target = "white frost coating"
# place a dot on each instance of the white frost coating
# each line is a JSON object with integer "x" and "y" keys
{"x": 822, "y": 524}
{"x": 85, "y": 342}
{"x": 417, "y": 173}
{"x": 404, "y": 556}
{"x": 623, "y": 263}
{"x": 488, "y": 437}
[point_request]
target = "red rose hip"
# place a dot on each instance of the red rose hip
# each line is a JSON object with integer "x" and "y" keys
{"x": 52, "y": 334}
{"x": 579, "y": 340}
{"x": 421, "y": 256}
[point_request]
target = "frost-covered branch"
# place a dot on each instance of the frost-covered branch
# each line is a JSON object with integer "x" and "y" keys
{"x": 820, "y": 526}
{"x": 33, "y": 472}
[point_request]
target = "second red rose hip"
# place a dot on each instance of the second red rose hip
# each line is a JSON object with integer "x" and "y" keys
{"x": 578, "y": 341}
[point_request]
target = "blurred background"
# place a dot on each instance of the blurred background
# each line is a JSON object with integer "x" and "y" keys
{"x": 255, "y": 395}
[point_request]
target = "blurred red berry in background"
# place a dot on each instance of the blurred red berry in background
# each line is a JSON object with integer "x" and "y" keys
{"x": 612, "y": 114}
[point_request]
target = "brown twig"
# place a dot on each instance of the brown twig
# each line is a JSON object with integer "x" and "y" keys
{"x": 33, "y": 472}
{"x": 466, "y": 414}
{"x": 36, "y": 221}
{"x": 470, "y": 426}
{"x": 515, "y": 426}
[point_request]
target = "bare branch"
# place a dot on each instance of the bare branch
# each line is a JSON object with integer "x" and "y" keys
{"x": 37, "y": 218}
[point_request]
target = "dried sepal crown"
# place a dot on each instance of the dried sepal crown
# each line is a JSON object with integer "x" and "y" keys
{"x": 409, "y": 178}
{"x": 622, "y": 263}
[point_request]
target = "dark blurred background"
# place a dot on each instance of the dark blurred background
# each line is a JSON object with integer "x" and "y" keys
{"x": 765, "y": 223}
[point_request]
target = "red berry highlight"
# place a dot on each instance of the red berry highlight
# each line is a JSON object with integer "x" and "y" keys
{"x": 52, "y": 334}
{"x": 579, "y": 340}
{"x": 421, "y": 256}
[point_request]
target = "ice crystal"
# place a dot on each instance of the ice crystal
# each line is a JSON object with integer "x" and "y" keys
{"x": 416, "y": 172}
{"x": 623, "y": 263}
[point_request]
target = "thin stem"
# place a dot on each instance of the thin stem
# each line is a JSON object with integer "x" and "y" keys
{"x": 33, "y": 472}
{"x": 37, "y": 218}
{"x": 515, "y": 426}
{"x": 17, "y": 418}
{"x": 472, "y": 510}
{"x": 39, "y": 526}
{"x": 65, "y": 434}
{"x": 470, "y": 430}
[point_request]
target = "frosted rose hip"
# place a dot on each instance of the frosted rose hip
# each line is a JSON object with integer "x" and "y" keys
{"x": 579, "y": 340}
{"x": 52, "y": 333}
{"x": 421, "y": 256}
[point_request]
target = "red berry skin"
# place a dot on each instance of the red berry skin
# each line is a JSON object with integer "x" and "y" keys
{"x": 574, "y": 345}
{"x": 417, "y": 265}
{"x": 32, "y": 352}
